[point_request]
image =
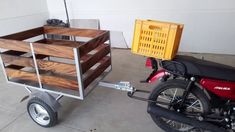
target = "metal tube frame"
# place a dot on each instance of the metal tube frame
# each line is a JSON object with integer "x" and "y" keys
{"x": 36, "y": 66}
{"x": 67, "y": 13}
{"x": 3, "y": 68}
{"x": 29, "y": 90}
{"x": 59, "y": 97}
{"x": 110, "y": 50}
{"x": 123, "y": 86}
{"x": 79, "y": 72}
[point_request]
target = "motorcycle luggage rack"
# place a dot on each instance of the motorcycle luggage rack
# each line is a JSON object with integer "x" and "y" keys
{"x": 173, "y": 67}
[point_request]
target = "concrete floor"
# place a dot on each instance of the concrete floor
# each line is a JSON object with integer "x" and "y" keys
{"x": 103, "y": 110}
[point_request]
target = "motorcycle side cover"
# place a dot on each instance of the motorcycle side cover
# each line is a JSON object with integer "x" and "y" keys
{"x": 223, "y": 89}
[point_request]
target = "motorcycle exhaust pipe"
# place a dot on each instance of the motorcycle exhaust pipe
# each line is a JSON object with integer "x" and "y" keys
{"x": 172, "y": 115}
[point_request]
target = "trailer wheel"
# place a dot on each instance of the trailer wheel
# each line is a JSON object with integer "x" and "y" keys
{"x": 41, "y": 113}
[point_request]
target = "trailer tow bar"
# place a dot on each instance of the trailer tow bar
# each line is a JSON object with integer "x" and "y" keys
{"x": 123, "y": 86}
{"x": 126, "y": 86}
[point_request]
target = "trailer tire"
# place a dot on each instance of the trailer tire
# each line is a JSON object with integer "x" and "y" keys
{"x": 41, "y": 113}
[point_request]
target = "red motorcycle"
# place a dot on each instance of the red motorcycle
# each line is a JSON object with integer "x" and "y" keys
{"x": 194, "y": 95}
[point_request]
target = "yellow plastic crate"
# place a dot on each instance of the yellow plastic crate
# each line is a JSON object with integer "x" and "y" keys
{"x": 156, "y": 39}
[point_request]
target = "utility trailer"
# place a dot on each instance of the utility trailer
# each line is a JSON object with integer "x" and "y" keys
{"x": 56, "y": 67}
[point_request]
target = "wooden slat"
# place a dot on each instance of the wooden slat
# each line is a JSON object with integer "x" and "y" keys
{"x": 72, "y": 31}
{"x": 55, "y": 67}
{"x": 101, "y": 52}
{"x": 92, "y": 44}
{"x": 54, "y": 50}
{"x": 39, "y": 48}
{"x": 18, "y": 53}
{"x": 64, "y": 43}
{"x": 21, "y": 67}
{"x": 45, "y": 79}
{"x": 105, "y": 63}
{"x": 25, "y": 34}
{"x": 61, "y": 42}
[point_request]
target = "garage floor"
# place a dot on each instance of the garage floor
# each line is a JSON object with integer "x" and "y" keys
{"x": 104, "y": 110}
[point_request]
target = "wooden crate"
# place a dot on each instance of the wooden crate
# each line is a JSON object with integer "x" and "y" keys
{"x": 40, "y": 62}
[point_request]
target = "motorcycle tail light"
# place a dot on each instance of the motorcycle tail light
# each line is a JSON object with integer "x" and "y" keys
{"x": 148, "y": 63}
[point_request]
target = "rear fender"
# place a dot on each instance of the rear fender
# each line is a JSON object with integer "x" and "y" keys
{"x": 158, "y": 75}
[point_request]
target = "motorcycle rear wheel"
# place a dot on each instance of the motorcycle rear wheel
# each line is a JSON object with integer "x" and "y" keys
{"x": 171, "y": 91}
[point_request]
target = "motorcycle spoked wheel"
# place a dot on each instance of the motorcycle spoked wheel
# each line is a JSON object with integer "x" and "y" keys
{"x": 170, "y": 93}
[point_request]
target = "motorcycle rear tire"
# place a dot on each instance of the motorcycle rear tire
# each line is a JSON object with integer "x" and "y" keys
{"x": 175, "y": 83}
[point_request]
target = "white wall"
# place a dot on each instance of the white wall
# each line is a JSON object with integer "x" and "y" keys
{"x": 19, "y": 15}
{"x": 209, "y": 24}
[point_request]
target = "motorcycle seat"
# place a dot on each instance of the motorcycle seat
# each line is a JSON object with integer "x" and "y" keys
{"x": 204, "y": 68}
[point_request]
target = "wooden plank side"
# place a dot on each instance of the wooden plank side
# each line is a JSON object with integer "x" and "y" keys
{"x": 54, "y": 50}
{"x": 55, "y": 67}
{"x": 101, "y": 52}
{"x": 91, "y": 33}
{"x": 94, "y": 43}
{"x": 45, "y": 79}
{"x": 105, "y": 63}
{"x": 25, "y": 34}
{"x": 18, "y": 53}
{"x": 39, "y": 48}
